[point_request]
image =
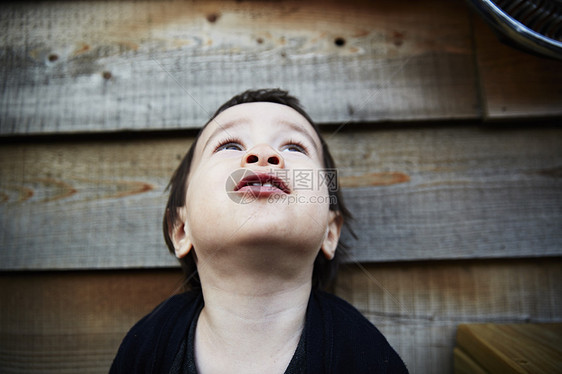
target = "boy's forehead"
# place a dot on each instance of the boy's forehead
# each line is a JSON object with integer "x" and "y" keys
{"x": 248, "y": 113}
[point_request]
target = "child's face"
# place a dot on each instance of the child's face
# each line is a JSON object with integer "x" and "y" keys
{"x": 266, "y": 139}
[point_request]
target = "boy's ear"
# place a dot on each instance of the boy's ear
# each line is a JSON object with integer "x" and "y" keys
{"x": 180, "y": 234}
{"x": 332, "y": 236}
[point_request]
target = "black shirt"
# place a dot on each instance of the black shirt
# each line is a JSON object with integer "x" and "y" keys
{"x": 184, "y": 362}
{"x": 337, "y": 339}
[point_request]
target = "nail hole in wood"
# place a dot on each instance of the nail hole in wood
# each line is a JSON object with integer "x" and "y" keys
{"x": 106, "y": 75}
{"x": 340, "y": 42}
{"x": 212, "y": 18}
{"x": 53, "y": 57}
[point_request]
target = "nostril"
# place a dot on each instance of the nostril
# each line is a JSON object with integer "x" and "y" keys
{"x": 252, "y": 159}
{"x": 273, "y": 160}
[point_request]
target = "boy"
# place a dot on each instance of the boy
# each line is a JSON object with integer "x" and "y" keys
{"x": 256, "y": 248}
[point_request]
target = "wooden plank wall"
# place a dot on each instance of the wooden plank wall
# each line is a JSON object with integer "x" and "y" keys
{"x": 167, "y": 64}
{"x": 462, "y": 179}
{"x": 418, "y": 305}
{"x": 448, "y": 143}
{"x": 68, "y": 322}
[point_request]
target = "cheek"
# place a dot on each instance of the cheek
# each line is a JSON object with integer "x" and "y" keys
{"x": 207, "y": 180}
{"x": 205, "y": 195}
{"x": 207, "y": 202}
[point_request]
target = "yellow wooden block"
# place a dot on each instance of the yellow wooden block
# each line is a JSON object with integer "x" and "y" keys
{"x": 511, "y": 348}
{"x": 464, "y": 364}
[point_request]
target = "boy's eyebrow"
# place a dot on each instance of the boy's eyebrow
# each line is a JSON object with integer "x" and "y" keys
{"x": 236, "y": 122}
{"x": 303, "y": 132}
{"x": 224, "y": 128}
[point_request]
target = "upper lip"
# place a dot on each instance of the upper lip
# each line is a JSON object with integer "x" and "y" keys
{"x": 263, "y": 178}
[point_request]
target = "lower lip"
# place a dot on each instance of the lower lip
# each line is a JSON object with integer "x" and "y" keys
{"x": 261, "y": 191}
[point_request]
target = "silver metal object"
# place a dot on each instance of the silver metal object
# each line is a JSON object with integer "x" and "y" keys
{"x": 534, "y": 26}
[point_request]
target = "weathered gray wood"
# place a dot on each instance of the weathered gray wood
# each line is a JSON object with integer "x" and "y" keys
{"x": 454, "y": 194}
{"x": 514, "y": 84}
{"x": 92, "y": 204}
{"x": 69, "y": 322}
{"x": 417, "y": 194}
{"x": 418, "y": 306}
{"x": 465, "y": 219}
{"x": 73, "y": 322}
{"x": 103, "y": 66}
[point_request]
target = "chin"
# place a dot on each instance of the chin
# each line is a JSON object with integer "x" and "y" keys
{"x": 275, "y": 233}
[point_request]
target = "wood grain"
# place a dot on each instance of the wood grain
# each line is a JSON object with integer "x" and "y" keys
{"x": 417, "y": 194}
{"x": 105, "y": 66}
{"x": 464, "y": 193}
{"x": 73, "y": 322}
{"x": 418, "y": 306}
{"x": 69, "y": 322}
{"x": 513, "y": 348}
{"x": 464, "y": 364}
{"x": 514, "y": 84}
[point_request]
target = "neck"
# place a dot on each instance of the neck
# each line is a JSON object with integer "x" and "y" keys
{"x": 252, "y": 320}
{"x": 256, "y": 307}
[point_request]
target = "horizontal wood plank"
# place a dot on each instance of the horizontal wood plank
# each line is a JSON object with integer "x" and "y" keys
{"x": 464, "y": 364}
{"x": 466, "y": 193}
{"x": 74, "y": 322}
{"x": 513, "y": 348}
{"x": 515, "y": 84}
{"x": 416, "y": 194}
{"x": 418, "y": 306}
{"x": 104, "y": 66}
{"x": 69, "y": 322}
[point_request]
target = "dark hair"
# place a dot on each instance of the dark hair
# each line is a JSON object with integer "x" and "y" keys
{"x": 324, "y": 269}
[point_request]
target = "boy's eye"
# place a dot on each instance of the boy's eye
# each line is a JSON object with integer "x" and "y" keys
{"x": 229, "y": 146}
{"x": 295, "y": 147}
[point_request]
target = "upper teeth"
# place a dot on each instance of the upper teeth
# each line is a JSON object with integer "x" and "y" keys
{"x": 266, "y": 184}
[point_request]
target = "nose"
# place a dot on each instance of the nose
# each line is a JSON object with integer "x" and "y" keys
{"x": 263, "y": 155}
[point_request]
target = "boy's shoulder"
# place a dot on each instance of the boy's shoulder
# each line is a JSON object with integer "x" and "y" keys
{"x": 166, "y": 313}
{"x": 152, "y": 340}
{"x": 344, "y": 313}
{"x": 356, "y": 342}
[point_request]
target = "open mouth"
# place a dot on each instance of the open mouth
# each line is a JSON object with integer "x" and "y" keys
{"x": 261, "y": 183}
